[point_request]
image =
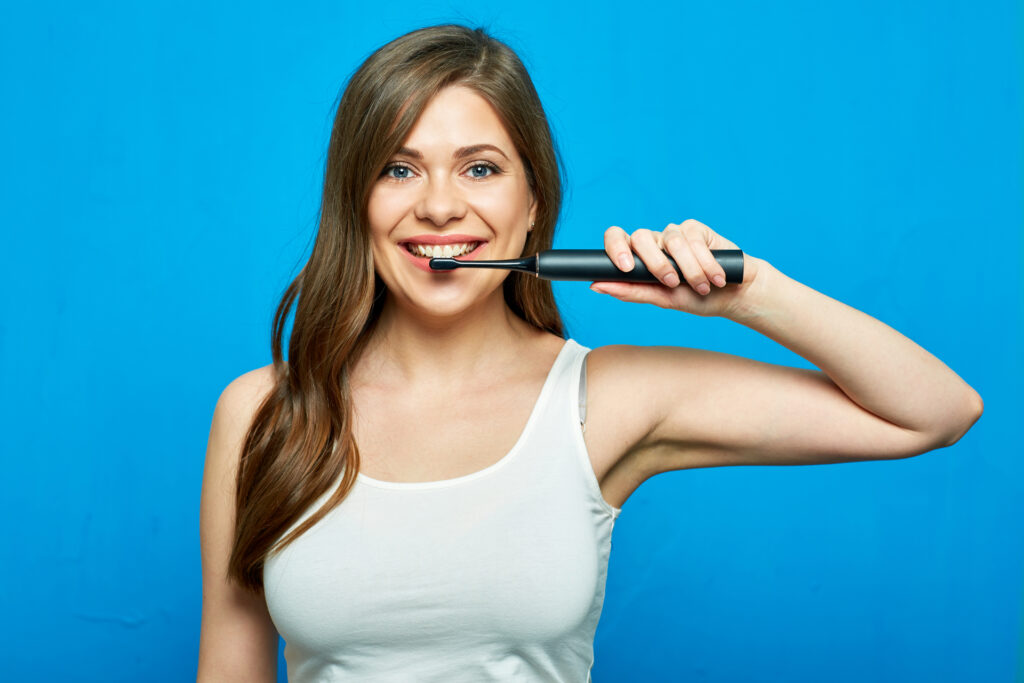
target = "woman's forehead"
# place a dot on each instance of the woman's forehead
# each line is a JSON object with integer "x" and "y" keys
{"x": 455, "y": 118}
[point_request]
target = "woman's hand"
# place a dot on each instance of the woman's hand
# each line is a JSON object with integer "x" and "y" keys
{"x": 689, "y": 243}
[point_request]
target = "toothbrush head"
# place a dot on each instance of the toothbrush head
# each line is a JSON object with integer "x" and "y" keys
{"x": 444, "y": 263}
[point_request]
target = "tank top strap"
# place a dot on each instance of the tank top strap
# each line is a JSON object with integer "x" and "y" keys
{"x": 582, "y": 400}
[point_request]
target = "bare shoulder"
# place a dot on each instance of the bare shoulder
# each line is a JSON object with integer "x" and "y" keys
{"x": 251, "y": 386}
{"x": 647, "y": 380}
{"x": 631, "y": 390}
{"x": 644, "y": 389}
{"x": 240, "y": 399}
{"x": 616, "y": 375}
{"x": 621, "y": 412}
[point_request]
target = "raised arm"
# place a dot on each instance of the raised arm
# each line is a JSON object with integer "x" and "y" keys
{"x": 878, "y": 394}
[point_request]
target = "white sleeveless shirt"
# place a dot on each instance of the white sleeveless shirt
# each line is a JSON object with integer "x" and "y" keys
{"x": 498, "y": 575}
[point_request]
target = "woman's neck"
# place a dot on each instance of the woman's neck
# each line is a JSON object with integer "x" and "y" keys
{"x": 410, "y": 348}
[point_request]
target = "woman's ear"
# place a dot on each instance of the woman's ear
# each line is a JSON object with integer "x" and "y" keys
{"x": 533, "y": 211}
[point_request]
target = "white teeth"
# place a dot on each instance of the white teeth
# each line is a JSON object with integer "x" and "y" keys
{"x": 438, "y": 251}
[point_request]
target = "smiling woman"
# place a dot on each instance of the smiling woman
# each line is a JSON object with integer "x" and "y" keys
{"x": 481, "y": 187}
{"x": 327, "y": 514}
{"x": 439, "y": 142}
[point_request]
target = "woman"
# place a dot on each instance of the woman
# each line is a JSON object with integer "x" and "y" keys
{"x": 425, "y": 490}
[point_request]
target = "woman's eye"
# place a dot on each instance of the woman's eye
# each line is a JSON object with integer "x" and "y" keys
{"x": 485, "y": 166}
{"x": 403, "y": 171}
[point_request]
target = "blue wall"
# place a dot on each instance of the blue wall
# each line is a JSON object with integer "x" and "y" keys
{"x": 161, "y": 170}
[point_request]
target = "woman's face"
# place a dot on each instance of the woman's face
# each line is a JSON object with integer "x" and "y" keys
{"x": 457, "y": 179}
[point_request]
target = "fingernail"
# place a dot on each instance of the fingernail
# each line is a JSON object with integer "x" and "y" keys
{"x": 625, "y": 262}
{"x": 719, "y": 280}
{"x": 703, "y": 288}
{"x": 671, "y": 279}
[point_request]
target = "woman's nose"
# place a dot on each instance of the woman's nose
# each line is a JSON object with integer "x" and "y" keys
{"x": 441, "y": 201}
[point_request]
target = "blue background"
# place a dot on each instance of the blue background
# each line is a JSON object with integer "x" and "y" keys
{"x": 161, "y": 169}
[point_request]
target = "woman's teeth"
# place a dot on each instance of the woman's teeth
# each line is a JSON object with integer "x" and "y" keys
{"x": 438, "y": 251}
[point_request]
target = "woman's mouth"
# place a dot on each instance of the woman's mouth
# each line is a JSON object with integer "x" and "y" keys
{"x": 420, "y": 254}
{"x": 430, "y": 251}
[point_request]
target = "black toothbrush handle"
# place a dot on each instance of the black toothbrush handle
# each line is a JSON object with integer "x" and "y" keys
{"x": 595, "y": 265}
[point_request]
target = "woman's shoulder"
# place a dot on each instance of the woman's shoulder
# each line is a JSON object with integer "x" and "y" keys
{"x": 255, "y": 380}
{"x": 622, "y": 377}
{"x": 611, "y": 356}
{"x": 624, "y": 355}
{"x": 244, "y": 393}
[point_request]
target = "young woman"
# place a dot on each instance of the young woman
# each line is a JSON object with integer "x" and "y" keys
{"x": 425, "y": 489}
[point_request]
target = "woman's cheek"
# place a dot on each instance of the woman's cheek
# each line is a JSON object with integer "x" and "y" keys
{"x": 499, "y": 209}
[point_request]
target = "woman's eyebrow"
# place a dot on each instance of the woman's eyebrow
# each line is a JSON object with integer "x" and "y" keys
{"x": 458, "y": 154}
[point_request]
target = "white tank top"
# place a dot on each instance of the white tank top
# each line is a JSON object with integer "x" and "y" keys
{"x": 498, "y": 575}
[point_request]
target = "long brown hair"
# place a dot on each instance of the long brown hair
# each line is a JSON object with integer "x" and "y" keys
{"x": 301, "y": 440}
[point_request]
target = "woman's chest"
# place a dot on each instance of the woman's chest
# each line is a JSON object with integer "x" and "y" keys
{"x": 402, "y": 439}
{"x": 405, "y": 439}
{"x": 427, "y": 567}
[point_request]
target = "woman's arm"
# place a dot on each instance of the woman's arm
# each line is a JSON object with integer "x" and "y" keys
{"x": 878, "y": 368}
{"x": 878, "y": 394}
{"x": 237, "y": 638}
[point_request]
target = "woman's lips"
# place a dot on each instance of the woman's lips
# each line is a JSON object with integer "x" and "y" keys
{"x": 423, "y": 262}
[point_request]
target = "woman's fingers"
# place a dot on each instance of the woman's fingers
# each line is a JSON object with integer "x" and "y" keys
{"x": 648, "y": 246}
{"x": 688, "y": 244}
{"x": 703, "y": 237}
{"x": 616, "y": 244}
{"x": 680, "y": 249}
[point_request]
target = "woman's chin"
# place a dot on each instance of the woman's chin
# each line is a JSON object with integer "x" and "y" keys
{"x": 445, "y": 303}
{"x": 449, "y": 296}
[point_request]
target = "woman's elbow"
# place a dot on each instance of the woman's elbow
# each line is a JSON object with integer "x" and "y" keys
{"x": 972, "y": 415}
